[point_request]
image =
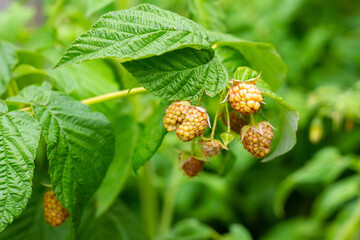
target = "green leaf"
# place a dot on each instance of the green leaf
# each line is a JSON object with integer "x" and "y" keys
{"x": 33, "y": 94}
{"x": 85, "y": 81}
{"x": 246, "y": 73}
{"x": 230, "y": 59}
{"x": 260, "y": 56}
{"x": 238, "y": 232}
{"x": 19, "y": 137}
{"x": 135, "y": 33}
{"x": 80, "y": 146}
{"x": 324, "y": 167}
{"x": 150, "y": 138}
{"x": 126, "y": 131}
{"x": 335, "y": 195}
{"x": 181, "y": 74}
{"x": 8, "y": 61}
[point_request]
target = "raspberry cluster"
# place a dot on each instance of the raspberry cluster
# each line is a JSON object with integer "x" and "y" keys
{"x": 257, "y": 139}
{"x": 188, "y": 121}
{"x": 54, "y": 212}
{"x": 245, "y": 97}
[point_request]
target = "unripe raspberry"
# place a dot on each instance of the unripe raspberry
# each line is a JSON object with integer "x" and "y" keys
{"x": 175, "y": 115}
{"x": 210, "y": 148}
{"x": 257, "y": 138}
{"x": 237, "y": 120}
{"x": 54, "y": 212}
{"x": 245, "y": 97}
{"x": 194, "y": 124}
{"x": 193, "y": 166}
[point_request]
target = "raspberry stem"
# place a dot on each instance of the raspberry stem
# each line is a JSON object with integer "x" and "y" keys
{"x": 200, "y": 99}
{"x": 106, "y": 97}
{"x": 252, "y": 119}
{"x": 227, "y": 118}
{"x": 217, "y": 113}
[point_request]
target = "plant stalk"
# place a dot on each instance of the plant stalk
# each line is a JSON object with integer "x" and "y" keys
{"x": 217, "y": 113}
{"x": 106, "y": 97}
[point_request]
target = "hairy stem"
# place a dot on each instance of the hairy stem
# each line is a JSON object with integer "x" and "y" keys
{"x": 252, "y": 119}
{"x": 217, "y": 113}
{"x": 227, "y": 118}
{"x": 106, "y": 97}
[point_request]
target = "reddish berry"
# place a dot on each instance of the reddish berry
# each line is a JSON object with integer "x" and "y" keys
{"x": 210, "y": 148}
{"x": 175, "y": 115}
{"x": 54, "y": 212}
{"x": 194, "y": 124}
{"x": 257, "y": 138}
{"x": 237, "y": 120}
{"x": 193, "y": 166}
{"x": 245, "y": 97}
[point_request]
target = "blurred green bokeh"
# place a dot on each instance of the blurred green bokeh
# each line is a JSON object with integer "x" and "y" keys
{"x": 310, "y": 193}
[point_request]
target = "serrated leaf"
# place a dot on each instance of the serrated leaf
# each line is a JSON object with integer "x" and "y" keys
{"x": 19, "y": 137}
{"x": 324, "y": 167}
{"x": 260, "y": 56}
{"x": 8, "y": 61}
{"x": 180, "y": 75}
{"x": 33, "y": 94}
{"x": 80, "y": 146}
{"x": 138, "y": 32}
{"x": 126, "y": 132}
{"x": 150, "y": 138}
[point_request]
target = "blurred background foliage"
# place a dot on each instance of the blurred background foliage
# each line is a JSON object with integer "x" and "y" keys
{"x": 312, "y": 192}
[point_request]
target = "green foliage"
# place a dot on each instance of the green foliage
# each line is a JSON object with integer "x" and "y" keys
{"x": 20, "y": 134}
{"x": 8, "y": 61}
{"x": 155, "y": 131}
{"x": 182, "y": 74}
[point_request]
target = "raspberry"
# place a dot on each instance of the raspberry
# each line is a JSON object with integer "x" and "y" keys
{"x": 257, "y": 139}
{"x": 193, "y": 166}
{"x": 175, "y": 115}
{"x": 237, "y": 120}
{"x": 54, "y": 212}
{"x": 211, "y": 148}
{"x": 194, "y": 124}
{"x": 245, "y": 97}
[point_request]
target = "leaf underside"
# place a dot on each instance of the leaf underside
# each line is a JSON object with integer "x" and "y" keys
{"x": 19, "y": 137}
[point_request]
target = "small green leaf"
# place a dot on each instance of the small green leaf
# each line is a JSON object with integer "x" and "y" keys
{"x": 3, "y": 107}
{"x": 227, "y": 138}
{"x": 150, "y": 138}
{"x": 126, "y": 132}
{"x": 139, "y": 32}
{"x": 324, "y": 167}
{"x": 33, "y": 95}
{"x": 19, "y": 137}
{"x": 8, "y": 61}
{"x": 180, "y": 75}
{"x": 246, "y": 73}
